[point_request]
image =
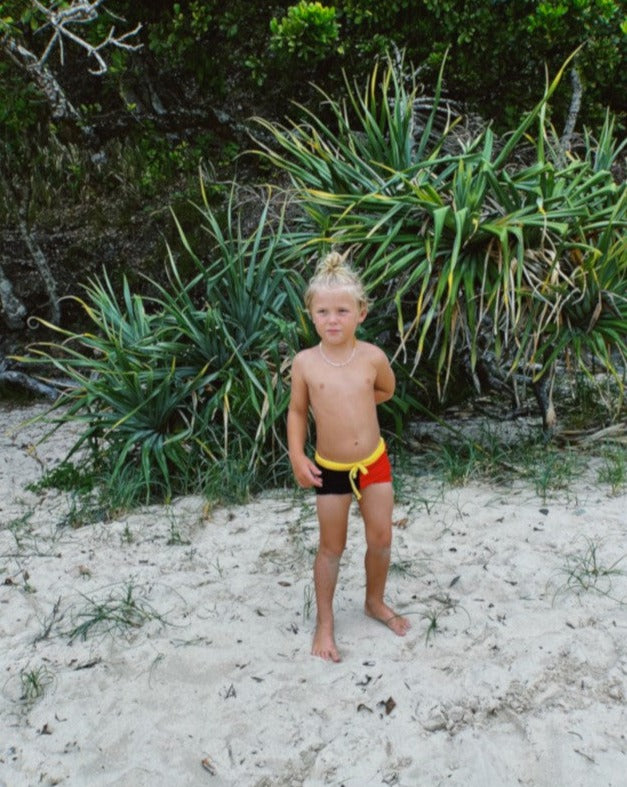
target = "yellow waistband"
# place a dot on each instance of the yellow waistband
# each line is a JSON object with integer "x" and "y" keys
{"x": 353, "y": 468}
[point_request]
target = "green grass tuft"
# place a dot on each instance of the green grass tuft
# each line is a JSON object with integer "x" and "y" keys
{"x": 123, "y": 609}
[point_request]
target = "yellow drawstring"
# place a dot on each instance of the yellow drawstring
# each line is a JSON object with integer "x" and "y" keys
{"x": 353, "y": 468}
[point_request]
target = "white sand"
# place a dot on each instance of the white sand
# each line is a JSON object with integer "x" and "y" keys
{"x": 521, "y": 683}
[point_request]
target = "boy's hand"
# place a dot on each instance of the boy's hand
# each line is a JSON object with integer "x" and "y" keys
{"x": 306, "y": 473}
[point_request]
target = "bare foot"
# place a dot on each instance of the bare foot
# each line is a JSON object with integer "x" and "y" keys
{"x": 396, "y": 623}
{"x": 324, "y": 643}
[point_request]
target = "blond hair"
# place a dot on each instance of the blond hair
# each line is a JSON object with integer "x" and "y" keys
{"x": 332, "y": 272}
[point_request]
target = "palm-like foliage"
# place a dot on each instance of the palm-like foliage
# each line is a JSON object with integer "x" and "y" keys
{"x": 466, "y": 244}
{"x": 175, "y": 389}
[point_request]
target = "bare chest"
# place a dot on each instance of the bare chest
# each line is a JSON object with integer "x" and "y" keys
{"x": 335, "y": 387}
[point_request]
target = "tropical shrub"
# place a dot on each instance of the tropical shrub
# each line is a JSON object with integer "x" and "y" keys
{"x": 497, "y": 51}
{"x": 503, "y": 251}
{"x": 307, "y": 32}
{"x": 179, "y": 37}
{"x": 184, "y": 389}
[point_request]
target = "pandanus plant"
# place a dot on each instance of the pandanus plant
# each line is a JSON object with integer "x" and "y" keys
{"x": 491, "y": 249}
{"x": 183, "y": 390}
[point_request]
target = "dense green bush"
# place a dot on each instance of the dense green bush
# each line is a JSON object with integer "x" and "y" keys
{"x": 504, "y": 249}
{"x": 498, "y": 49}
{"x": 507, "y": 247}
{"x": 468, "y": 245}
{"x": 185, "y": 390}
{"x": 308, "y": 32}
{"x": 261, "y": 54}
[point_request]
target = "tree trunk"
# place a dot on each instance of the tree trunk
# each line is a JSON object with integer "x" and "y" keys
{"x": 41, "y": 263}
{"x": 61, "y": 107}
{"x": 23, "y": 380}
{"x": 543, "y": 390}
{"x": 573, "y": 113}
{"x": 39, "y": 258}
{"x": 11, "y": 307}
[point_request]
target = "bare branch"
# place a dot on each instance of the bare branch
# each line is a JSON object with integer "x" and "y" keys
{"x": 80, "y": 13}
{"x": 59, "y": 103}
{"x": 24, "y": 380}
{"x": 573, "y": 112}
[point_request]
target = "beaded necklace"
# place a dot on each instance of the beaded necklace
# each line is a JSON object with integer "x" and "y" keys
{"x": 333, "y": 363}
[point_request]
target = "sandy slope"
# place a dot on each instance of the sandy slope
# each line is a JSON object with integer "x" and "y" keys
{"x": 520, "y": 683}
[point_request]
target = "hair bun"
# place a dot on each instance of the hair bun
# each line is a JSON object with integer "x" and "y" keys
{"x": 334, "y": 271}
{"x": 332, "y": 262}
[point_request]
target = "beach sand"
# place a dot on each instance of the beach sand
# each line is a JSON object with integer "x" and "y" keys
{"x": 507, "y": 677}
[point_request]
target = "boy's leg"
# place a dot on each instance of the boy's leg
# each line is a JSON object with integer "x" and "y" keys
{"x": 333, "y": 522}
{"x": 376, "y": 509}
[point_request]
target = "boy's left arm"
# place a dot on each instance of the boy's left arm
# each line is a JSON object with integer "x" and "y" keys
{"x": 384, "y": 382}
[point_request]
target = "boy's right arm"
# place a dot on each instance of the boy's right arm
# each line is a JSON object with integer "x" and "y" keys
{"x": 305, "y": 471}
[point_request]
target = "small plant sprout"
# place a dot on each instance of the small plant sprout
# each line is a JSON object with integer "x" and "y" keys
{"x": 175, "y": 538}
{"x": 218, "y": 567}
{"x": 66, "y": 477}
{"x": 34, "y": 683}
{"x": 120, "y": 612}
{"x": 458, "y": 462}
{"x": 402, "y": 566}
{"x": 431, "y": 616}
{"x": 553, "y": 470}
{"x": 20, "y": 529}
{"x": 82, "y": 512}
{"x": 445, "y": 606}
{"x": 49, "y": 621}
{"x": 614, "y": 469}
{"x": 585, "y": 571}
{"x": 308, "y": 598}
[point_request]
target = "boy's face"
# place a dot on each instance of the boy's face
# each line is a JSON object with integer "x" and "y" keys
{"x": 336, "y": 315}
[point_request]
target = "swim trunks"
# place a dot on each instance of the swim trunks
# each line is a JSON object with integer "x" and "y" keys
{"x": 344, "y": 478}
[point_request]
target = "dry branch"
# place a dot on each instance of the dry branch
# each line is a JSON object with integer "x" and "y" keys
{"x": 60, "y": 21}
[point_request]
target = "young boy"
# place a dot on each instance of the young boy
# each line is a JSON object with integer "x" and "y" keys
{"x": 342, "y": 380}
